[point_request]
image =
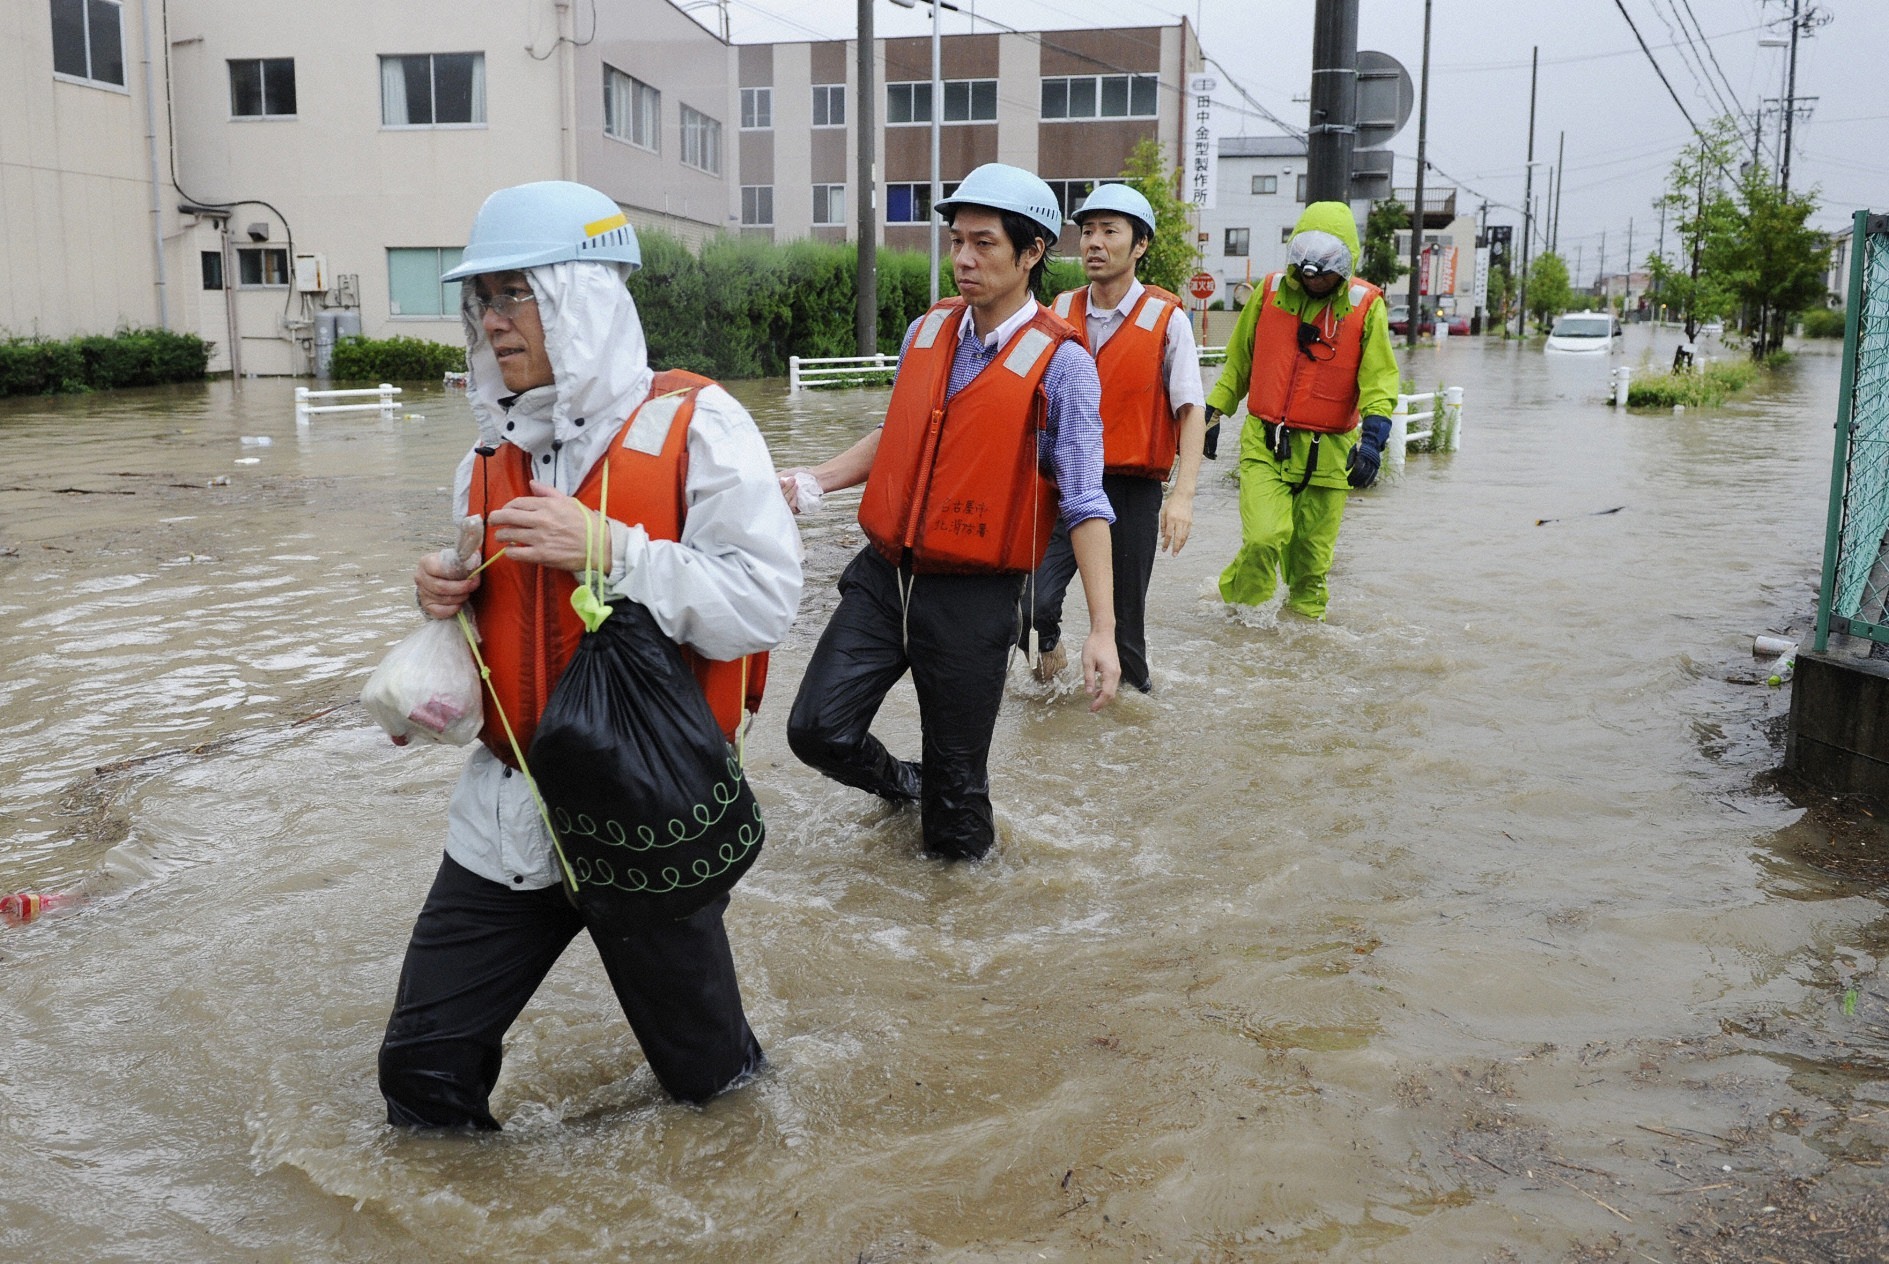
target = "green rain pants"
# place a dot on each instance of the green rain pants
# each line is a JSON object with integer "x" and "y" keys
{"x": 1281, "y": 533}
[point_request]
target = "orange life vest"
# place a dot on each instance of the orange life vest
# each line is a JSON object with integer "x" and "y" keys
{"x": 1139, "y": 435}
{"x": 527, "y": 628}
{"x": 958, "y": 483}
{"x": 1302, "y": 393}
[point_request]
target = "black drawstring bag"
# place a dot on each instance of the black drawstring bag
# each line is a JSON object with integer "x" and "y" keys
{"x": 651, "y": 806}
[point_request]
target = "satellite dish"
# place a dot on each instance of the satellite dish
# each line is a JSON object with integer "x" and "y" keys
{"x": 1386, "y": 95}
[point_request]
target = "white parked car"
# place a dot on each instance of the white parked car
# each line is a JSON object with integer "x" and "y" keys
{"x": 1584, "y": 331}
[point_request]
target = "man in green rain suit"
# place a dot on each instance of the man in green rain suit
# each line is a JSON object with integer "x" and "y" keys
{"x": 1310, "y": 357}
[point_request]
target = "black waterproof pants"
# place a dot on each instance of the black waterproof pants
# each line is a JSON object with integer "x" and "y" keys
{"x": 1132, "y": 542}
{"x": 480, "y": 949}
{"x": 953, "y": 632}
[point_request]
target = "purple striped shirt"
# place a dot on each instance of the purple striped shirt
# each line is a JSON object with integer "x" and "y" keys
{"x": 1072, "y": 443}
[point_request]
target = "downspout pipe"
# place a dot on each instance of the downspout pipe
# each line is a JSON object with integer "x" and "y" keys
{"x": 150, "y": 148}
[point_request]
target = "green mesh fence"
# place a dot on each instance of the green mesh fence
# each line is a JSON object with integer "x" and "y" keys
{"x": 1855, "y": 590}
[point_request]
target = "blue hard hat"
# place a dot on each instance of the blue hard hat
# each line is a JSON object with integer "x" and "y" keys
{"x": 1001, "y": 187}
{"x": 550, "y": 221}
{"x": 1121, "y": 199}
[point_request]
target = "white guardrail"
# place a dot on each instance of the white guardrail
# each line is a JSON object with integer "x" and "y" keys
{"x": 383, "y": 396}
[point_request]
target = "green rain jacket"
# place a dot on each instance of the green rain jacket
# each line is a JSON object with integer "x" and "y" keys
{"x": 1378, "y": 380}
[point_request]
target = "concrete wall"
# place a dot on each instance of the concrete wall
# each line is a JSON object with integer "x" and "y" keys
{"x": 1838, "y": 737}
{"x": 77, "y": 233}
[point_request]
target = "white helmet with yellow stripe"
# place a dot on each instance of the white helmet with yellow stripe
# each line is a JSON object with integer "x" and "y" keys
{"x": 549, "y": 221}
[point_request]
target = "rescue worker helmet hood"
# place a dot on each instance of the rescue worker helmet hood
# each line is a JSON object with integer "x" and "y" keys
{"x": 1324, "y": 240}
{"x": 1119, "y": 199}
{"x": 549, "y": 221}
{"x": 1000, "y": 187}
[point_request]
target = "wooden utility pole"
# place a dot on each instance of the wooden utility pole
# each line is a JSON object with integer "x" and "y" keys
{"x": 1415, "y": 307}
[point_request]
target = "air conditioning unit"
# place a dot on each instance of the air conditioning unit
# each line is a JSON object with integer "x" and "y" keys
{"x": 311, "y": 273}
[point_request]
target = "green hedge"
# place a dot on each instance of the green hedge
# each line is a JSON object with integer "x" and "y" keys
{"x": 399, "y": 359}
{"x": 130, "y": 357}
{"x": 743, "y": 306}
{"x": 1702, "y": 388}
{"x": 1824, "y": 322}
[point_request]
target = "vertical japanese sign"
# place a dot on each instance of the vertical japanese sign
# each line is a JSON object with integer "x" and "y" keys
{"x": 1482, "y": 278}
{"x": 1203, "y": 141}
{"x": 1445, "y": 270}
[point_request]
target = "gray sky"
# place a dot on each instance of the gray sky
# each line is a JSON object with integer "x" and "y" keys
{"x": 1623, "y": 128}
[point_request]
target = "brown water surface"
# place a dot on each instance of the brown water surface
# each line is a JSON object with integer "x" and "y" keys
{"x": 1448, "y": 928}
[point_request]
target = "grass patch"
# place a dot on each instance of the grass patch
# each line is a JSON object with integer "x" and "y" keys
{"x": 1703, "y": 388}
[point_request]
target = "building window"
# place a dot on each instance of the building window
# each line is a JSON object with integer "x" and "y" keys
{"x": 1237, "y": 241}
{"x": 88, "y": 40}
{"x": 413, "y": 284}
{"x": 213, "y": 269}
{"x": 970, "y": 100}
{"x": 829, "y": 105}
{"x": 1101, "y": 96}
{"x": 261, "y": 267}
{"x": 965, "y": 101}
{"x": 262, "y": 87}
{"x": 757, "y": 108}
{"x": 701, "y": 141}
{"x": 1301, "y": 193}
{"x": 1265, "y": 184}
{"x": 432, "y": 90}
{"x": 908, "y": 203}
{"x": 757, "y": 205}
{"x": 829, "y": 204}
{"x": 632, "y": 110}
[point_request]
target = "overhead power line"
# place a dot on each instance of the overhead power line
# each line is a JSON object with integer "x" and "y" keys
{"x": 1656, "y": 69}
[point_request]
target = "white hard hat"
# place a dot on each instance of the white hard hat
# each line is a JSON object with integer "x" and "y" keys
{"x": 550, "y": 221}
{"x": 1005, "y": 188}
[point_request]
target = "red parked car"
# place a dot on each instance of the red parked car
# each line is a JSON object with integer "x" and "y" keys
{"x": 1400, "y": 322}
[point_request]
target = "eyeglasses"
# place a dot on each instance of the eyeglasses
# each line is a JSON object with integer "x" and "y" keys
{"x": 506, "y": 304}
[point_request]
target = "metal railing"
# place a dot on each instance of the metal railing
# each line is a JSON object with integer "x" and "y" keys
{"x": 805, "y": 371}
{"x": 1853, "y": 596}
{"x": 382, "y": 394}
{"x": 1430, "y": 422}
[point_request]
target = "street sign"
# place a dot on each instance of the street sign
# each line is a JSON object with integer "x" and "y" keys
{"x": 1385, "y": 98}
{"x": 1201, "y": 285}
{"x": 1203, "y": 141}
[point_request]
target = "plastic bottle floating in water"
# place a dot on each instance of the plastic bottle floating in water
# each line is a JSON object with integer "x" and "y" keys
{"x": 18, "y": 910}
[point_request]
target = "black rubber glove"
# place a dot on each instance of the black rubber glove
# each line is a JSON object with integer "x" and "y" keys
{"x": 1362, "y": 465}
{"x": 1210, "y": 446}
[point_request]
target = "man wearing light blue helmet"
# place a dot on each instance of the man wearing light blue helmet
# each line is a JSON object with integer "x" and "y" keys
{"x": 1144, "y": 354}
{"x": 558, "y": 373}
{"x": 991, "y": 435}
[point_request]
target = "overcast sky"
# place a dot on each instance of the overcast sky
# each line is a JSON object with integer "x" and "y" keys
{"x": 1623, "y": 128}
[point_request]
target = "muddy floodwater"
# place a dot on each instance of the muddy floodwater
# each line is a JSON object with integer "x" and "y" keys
{"x": 1462, "y": 927}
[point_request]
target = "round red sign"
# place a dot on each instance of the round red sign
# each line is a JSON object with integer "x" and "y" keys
{"x": 1201, "y": 285}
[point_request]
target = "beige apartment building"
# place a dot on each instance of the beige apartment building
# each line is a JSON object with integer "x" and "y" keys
{"x": 263, "y": 175}
{"x": 1068, "y": 105}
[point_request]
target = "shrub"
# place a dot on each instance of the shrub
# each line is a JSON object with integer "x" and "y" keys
{"x": 1824, "y": 322}
{"x": 1705, "y": 388}
{"x": 399, "y": 359}
{"x": 130, "y": 357}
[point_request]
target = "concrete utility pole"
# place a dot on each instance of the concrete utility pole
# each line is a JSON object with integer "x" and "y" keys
{"x": 1560, "y": 182}
{"x": 1415, "y": 308}
{"x": 1528, "y": 188}
{"x": 1626, "y": 291}
{"x": 866, "y": 319}
{"x": 1602, "y": 265}
{"x": 1334, "y": 101}
{"x": 1790, "y": 101}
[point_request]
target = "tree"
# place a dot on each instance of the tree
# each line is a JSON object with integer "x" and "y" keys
{"x": 1548, "y": 291}
{"x": 1695, "y": 199}
{"x": 1379, "y": 262}
{"x": 1172, "y": 256}
{"x": 1769, "y": 259}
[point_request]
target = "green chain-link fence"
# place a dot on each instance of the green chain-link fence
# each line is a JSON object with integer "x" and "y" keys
{"x": 1854, "y": 597}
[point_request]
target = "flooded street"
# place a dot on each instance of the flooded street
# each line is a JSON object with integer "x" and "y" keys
{"x": 1453, "y": 929}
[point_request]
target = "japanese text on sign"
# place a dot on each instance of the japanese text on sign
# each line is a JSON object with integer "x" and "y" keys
{"x": 1203, "y": 141}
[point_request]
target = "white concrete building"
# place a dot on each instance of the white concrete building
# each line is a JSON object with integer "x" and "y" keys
{"x": 1258, "y": 199}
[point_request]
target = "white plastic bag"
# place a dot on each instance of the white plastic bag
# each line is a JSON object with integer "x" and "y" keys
{"x": 428, "y": 688}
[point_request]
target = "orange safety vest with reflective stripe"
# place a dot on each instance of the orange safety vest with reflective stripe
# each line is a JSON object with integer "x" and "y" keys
{"x": 1139, "y": 434}
{"x": 1317, "y": 392}
{"x": 956, "y": 485}
{"x": 527, "y": 628}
